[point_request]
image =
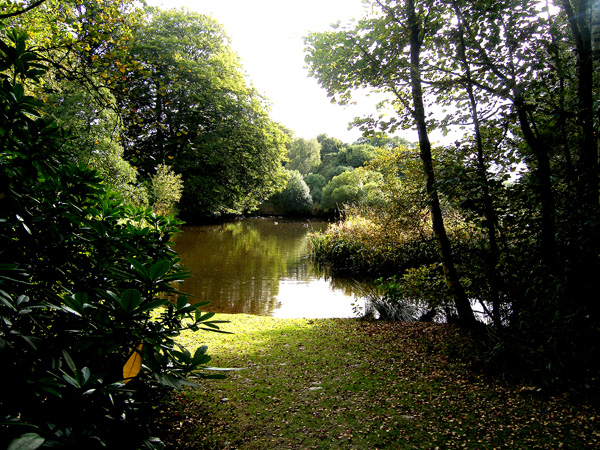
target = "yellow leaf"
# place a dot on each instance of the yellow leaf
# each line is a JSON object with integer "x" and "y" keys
{"x": 133, "y": 365}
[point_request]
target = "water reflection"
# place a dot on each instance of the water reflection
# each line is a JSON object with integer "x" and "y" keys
{"x": 260, "y": 266}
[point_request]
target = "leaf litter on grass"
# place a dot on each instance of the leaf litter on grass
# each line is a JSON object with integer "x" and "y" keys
{"x": 351, "y": 384}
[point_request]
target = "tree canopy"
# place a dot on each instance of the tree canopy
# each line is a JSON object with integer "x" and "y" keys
{"x": 188, "y": 105}
{"x": 162, "y": 87}
{"x": 304, "y": 155}
{"x": 351, "y": 187}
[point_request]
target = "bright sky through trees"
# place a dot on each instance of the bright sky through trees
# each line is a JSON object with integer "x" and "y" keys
{"x": 268, "y": 36}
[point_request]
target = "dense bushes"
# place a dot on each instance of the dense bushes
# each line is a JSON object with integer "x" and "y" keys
{"x": 359, "y": 246}
{"x": 391, "y": 239}
{"x": 315, "y": 182}
{"x": 354, "y": 187}
{"x": 89, "y": 307}
{"x": 294, "y": 199}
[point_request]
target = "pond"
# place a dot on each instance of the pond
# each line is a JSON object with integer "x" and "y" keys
{"x": 261, "y": 266}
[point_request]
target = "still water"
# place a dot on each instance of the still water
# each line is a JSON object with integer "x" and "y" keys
{"x": 260, "y": 266}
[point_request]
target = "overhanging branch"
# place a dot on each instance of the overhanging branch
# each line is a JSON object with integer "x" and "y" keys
{"x": 22, "y": 11}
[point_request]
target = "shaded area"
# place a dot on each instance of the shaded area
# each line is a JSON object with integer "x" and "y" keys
{"x": 352, "y": 384}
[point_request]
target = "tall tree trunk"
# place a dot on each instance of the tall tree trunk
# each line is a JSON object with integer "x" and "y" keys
{"x": 490, "y": 214}
{"x": 580, "y": 22}
{"x": 585, "y": 29}
{"x": 537, "y": 146}
{"x": 596, "y": 36}
{"x": 542, "y": 172}
{"x": 463, "y": 306}
{"x": 544, "y": 181}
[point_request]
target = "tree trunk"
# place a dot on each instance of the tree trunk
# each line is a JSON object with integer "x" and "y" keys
{"x": 490, "y": 214}
{"x": 544, "y": 180}
{"x": 585, "y": 29}
{"x": 462, "y": 304}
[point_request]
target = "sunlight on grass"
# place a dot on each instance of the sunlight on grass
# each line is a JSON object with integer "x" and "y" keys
{"x": 343, "y": 383}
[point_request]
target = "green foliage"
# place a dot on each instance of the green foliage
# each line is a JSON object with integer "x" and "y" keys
{"x": 315, "y": 182}
{"x": 382, "y": 140}
{"x": 85, "y": 282}
{"x": 523, "y": 79}
{"x": 304, "y": 155}
{"x": 387, "y": 302}
{"x": 359, "y": 246}
{"x": 394, "y": 237}
{"x": 420, "y": 293}
{"x": 352, "y": 187}
{"x": 82, "y": 40}
{"x": 329, "y": 145}
{"x": 95, "y": 135}
{"x": 188, "y": 105}
{"x": 355, "y": 155}
{"x": 295, "y": 197}
{"x": 333, "y": 171}
{"x": 167, "y": 188}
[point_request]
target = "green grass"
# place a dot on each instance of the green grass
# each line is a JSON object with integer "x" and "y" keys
{"x": 350, "y": 384}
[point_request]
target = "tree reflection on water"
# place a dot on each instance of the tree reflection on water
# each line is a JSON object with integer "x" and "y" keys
{"x": 260, "y": 266}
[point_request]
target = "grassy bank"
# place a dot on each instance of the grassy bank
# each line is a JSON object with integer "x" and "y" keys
{"x": 349, "y": 384}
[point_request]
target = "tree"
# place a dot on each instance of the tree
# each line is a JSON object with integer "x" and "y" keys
{"x": 346, "y": 60}
{"x": 95, "y": 138}
{"x": 315, "y": 182}
{"x": 351, "y": 187}
{"x": 383, "y": 140}
{"x": 188, "y": 105}
{"x": 11, "y": 9}
{"x": 304, "y": 155}
{"x": 355, "y": 155}
{"x": 516, "y": 77}
{"x": 295, "y": 197}
{"x": 329, "y": 145}
{"x": 334, "y": 171}
{"x": 79, "y": 41}
{"x": 82, "y": 39}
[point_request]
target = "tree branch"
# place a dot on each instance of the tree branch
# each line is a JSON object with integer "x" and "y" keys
{"x": 22, "y": 11}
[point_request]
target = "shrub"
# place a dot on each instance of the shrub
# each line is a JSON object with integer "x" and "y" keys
{"x": 353, "y": 187}
{"x": 420, "y": 293}
{"x": 315, "y": 182}
{"x": 167, "y": 188}
{"x": 355, "y": 155}
{"x": 387, "y": 302}
{"x": 295, "y": 198}
{"x": 334, "y": 171}
{"x": 88, "y": 303}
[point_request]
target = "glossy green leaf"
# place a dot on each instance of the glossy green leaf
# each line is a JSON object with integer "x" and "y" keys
{"x": 158, "y": 269}
{"x": 27, "y": 441}
{"x": 130, "y": 300}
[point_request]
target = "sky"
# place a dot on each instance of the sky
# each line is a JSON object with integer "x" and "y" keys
{"x": 268, "y": 37}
